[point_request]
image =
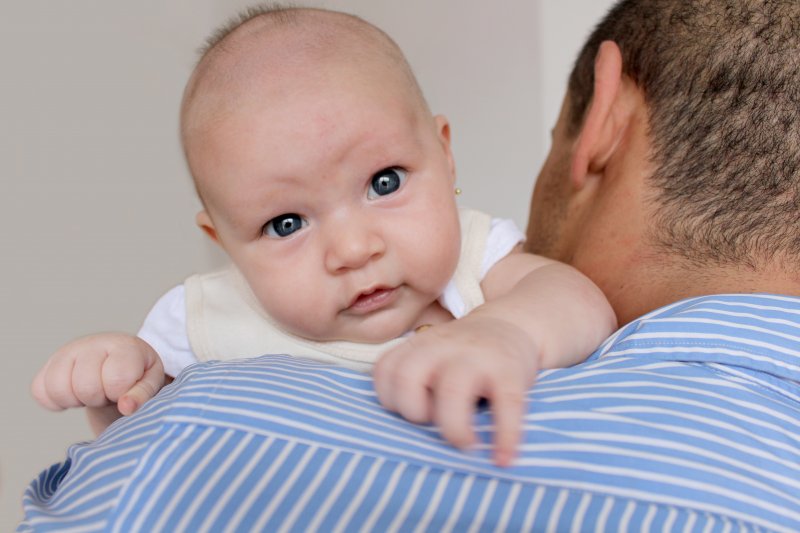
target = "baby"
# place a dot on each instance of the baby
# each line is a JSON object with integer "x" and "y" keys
{"x": 330, "y": 185}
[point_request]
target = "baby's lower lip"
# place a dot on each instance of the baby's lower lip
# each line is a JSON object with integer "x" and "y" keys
{"x": 367, "y": 303}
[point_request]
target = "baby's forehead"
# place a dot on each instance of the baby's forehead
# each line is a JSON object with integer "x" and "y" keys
{"x": 269, "y": 71}
{"x": 260, "y": 85}
{"x": 315, "y": 40}
{"x": 263, "y": 60}
{"x": 269, "y": 62}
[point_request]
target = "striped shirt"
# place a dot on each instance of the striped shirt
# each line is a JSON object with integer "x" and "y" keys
{"x": 687, "y": 419}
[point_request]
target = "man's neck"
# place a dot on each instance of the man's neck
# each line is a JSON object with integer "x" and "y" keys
{"x": 650, "y": 287}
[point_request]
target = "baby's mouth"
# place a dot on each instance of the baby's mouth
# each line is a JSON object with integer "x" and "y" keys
{"x": 372, "y": 300}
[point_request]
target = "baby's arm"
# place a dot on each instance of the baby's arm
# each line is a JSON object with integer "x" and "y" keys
{"x": 112, "y": 374}
{"x": 538, "y": 314}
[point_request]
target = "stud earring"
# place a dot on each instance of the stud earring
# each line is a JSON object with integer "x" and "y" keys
{"x": 457, "y": 191}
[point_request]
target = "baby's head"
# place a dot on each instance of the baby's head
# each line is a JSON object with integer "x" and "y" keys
{"x": 322, "y": 172}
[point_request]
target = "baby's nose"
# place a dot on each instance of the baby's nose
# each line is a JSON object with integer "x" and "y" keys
{"x": 353, "y": 246}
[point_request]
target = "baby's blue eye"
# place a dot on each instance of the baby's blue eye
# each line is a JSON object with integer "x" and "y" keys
{"x": 386, "y": 182}
{"x": 283, "y": 225}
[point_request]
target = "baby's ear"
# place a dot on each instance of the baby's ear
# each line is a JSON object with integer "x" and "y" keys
{"x": 204, "y": 223}
{"x": 443, "y": 132}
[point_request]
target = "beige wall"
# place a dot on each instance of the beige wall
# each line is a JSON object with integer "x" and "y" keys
{"x": 97, "y": 210}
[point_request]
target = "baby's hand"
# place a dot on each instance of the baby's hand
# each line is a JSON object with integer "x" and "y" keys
{"x": 100, "y": 370}
{"x": 440, "y": 374}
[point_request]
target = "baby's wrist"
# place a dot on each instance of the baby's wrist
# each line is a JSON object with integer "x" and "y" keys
{"x": 515, "y": 339}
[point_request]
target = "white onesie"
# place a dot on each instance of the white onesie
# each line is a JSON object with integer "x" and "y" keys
{"x": 168, "y": 329}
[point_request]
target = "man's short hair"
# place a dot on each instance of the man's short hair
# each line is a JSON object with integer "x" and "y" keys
{"x": 721, "y": 79}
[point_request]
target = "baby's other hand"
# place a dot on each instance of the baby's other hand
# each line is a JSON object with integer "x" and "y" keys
{"x": 100, "y": 370}
{"x": 440, "y": 374}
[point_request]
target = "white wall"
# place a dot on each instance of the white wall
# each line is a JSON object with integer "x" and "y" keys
{"x": 95, "y": 203}
{"x": 97, "y": 209}
{"x": 557, "y": 51}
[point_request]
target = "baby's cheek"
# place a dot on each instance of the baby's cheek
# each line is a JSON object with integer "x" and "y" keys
{"x": 442, "y": 258}
{"x": 299, "y": 309}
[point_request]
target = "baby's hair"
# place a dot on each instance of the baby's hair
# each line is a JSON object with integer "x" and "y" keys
{"x": 281, "y": 12}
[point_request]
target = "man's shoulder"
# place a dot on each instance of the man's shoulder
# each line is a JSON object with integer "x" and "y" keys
{"x": 759, "y": 331}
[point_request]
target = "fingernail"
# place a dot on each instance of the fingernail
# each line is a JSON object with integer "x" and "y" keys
{"x": 504, "y": 458}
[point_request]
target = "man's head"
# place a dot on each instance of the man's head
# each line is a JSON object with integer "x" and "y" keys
{"x": 706, "y": 108}
{"x": 322, "y": 172}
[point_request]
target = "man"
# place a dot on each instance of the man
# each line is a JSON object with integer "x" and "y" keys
{"x": 673, "y": 174}
{"x": 674, "y": 167}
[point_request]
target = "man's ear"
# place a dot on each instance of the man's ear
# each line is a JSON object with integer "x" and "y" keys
{"x": 204, "y": 222}
{"x": 606, "y": 118}
{"x": 443, "y": 132}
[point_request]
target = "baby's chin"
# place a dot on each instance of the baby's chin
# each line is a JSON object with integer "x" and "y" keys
{"x": 370, "y": 332}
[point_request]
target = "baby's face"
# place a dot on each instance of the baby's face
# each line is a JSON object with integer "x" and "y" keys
{"x": 336, "y": 203}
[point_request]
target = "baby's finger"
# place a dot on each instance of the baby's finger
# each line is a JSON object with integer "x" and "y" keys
{"x": 39, "y": 390}
{"x": 401, "y": 385}
{"x": 87, "y": 383}
{"x": 381, "y": 375}
{"x": 508, "y": 406}
{"x": 410, "y": 383}
{"x": 121, "y": 370}
{"x": 456, "y": 394}
{"x": 143, "y": 390}
{"x": 58, "y": 380}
